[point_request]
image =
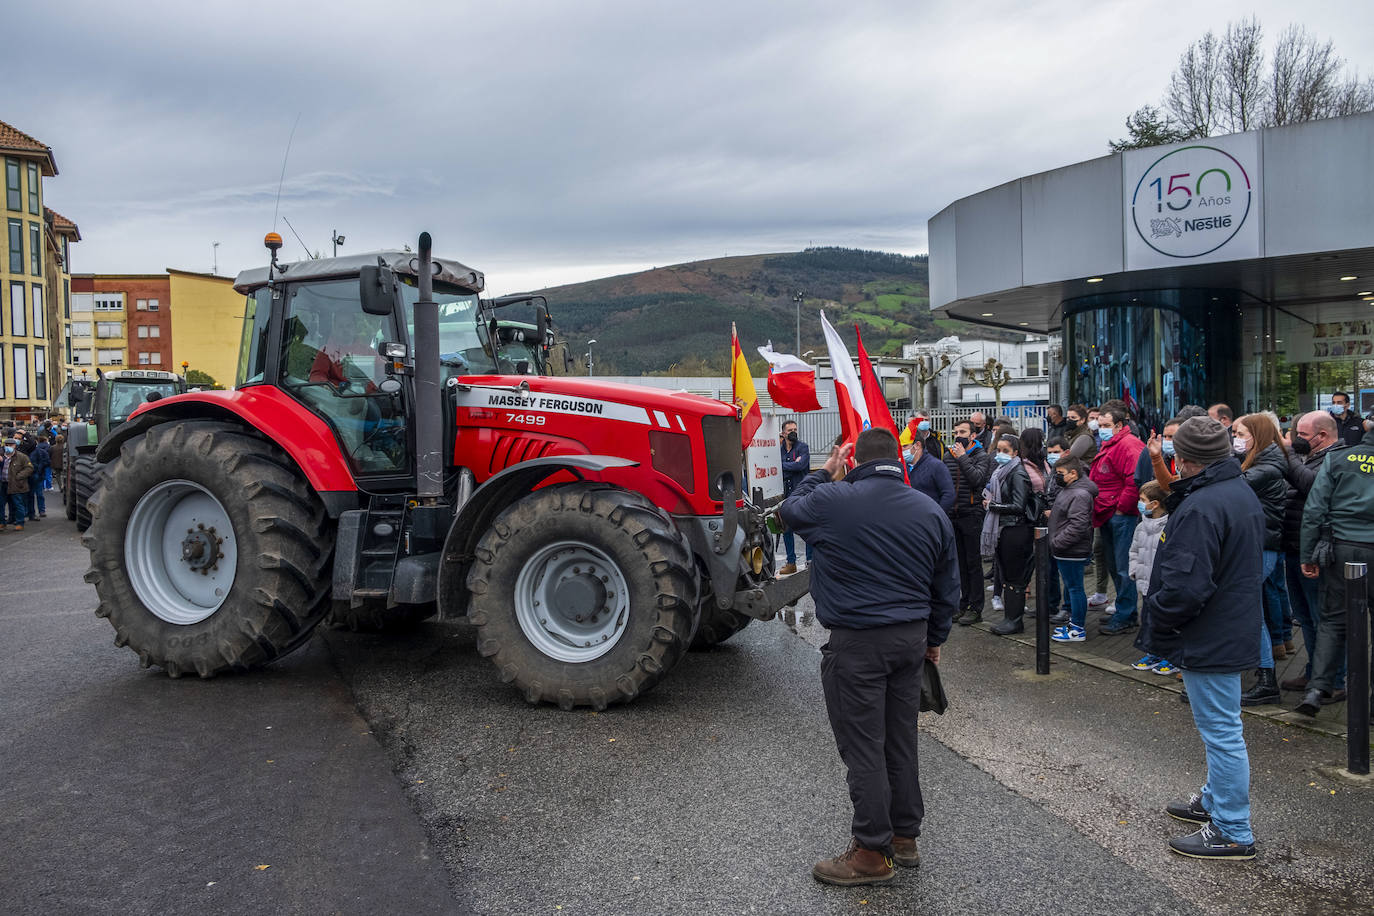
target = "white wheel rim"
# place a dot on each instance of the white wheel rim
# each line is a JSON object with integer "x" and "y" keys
{"x": 572, "y": 602}
{"x": 168, "y": 547}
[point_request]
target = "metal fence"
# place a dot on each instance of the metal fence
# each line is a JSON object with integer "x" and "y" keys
{"x": 819, "y": 428}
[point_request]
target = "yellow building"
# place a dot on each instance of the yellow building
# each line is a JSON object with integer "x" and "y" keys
{"x": 207, "y": 323}
{"x": 61, "y": 232}
{"x": 31, "y": 345}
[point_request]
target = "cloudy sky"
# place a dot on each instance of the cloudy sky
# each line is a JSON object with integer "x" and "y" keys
{"x": 548, "y": 142}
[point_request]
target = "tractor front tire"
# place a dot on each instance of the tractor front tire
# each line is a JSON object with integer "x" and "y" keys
{"x": 717, "y": 625}
{"x": 583, "y": 594}
{"x": 209, "y": 551}
{"x": 85, "y": 479}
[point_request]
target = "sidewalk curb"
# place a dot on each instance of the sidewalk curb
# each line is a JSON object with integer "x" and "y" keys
{"x": 1169, "y": 684}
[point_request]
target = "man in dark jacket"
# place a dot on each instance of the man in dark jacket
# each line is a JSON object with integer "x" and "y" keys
{"x": 885, "y": 584}
{"x": 1203, "y": 613}
{"x": 970, "y": 467}
{"x": 1341, "y": 501}
{"x": 796, "y": 464}
{"x": 42, "y": 462}
{"x": 1313, "y": 433}
{"x": 929, "y": 475}
{"x": 1055, "y": 423}
{"x": 1348, "y": 422}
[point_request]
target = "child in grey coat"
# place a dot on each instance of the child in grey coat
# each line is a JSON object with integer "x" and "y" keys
{"x": 1153, "y": 516}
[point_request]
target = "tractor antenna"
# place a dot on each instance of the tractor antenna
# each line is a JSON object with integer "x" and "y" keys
{"x": 282, "y": 179}
{"x": 298, "y": 238}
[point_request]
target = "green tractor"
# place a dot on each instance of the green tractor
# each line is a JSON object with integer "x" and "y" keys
{"x": 96, "y": 409}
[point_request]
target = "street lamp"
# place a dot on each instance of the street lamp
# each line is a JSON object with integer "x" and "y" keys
{"x": 336, "y": 239}
{"x": 589, "y": 356}
{"x": 797, "y": 299}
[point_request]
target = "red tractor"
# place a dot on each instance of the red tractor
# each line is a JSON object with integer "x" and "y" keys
{"x": 391, "y": 450}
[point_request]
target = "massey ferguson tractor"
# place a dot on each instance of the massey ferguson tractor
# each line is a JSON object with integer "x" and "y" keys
{"x": 392, "y": 449}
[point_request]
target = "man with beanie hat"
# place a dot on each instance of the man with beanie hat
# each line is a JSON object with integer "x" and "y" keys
{"x": 1203, "y": 613}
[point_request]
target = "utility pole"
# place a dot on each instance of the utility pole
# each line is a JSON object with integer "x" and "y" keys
{"x": 336, "y": 239}
{"x": 214, "y": 247}
{"x": 797, "y": 298}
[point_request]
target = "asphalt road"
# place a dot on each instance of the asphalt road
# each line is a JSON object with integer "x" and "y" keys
{"x": 396, "y": 774}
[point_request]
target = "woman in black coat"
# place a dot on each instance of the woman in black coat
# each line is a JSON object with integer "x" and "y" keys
{"x": 1014, "y": 504}
{"x": 1264, "y": 465}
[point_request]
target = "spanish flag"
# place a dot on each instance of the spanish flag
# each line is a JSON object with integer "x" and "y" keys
{"x": 742, "y": 383}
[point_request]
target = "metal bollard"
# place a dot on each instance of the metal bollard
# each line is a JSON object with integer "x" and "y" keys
{"x": 1357, "y": 667}
{"x": 1042, "y": 600}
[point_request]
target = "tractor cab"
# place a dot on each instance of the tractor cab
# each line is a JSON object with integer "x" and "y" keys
{"x": 338, "y": 335}
{"x": 115, "y": 395}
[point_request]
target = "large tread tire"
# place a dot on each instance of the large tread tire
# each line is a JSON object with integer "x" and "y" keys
{"x": 717, "y": 625}
{"x": 86, "y": 473}
{"x": 283, "y": 538}
{"x": 68, "y": 502}
{"x": 376, "y": 617}
{"x": 654, "y": 559}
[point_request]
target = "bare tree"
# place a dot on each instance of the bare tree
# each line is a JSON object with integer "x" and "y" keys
{"x": 1303, "y": 78}
{"x": 1193, "y": 97}
{"x": 1242, "y": 76}
{"x": 1226, "y": 85}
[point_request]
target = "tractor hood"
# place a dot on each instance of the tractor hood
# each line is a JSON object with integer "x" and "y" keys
{"x": 589, "y": 392}
{"x": 450, "y": 272}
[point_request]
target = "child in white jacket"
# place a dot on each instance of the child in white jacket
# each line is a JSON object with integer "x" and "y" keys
{"x": 1153, "y": 516}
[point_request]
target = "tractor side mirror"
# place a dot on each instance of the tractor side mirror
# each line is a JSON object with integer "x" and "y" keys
{"x": 377, "y": 290}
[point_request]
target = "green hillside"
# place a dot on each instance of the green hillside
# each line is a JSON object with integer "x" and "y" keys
{"x": 676, "y": 320}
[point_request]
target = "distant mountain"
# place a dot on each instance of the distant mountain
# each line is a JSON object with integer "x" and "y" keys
{"x": 676, "y": 320}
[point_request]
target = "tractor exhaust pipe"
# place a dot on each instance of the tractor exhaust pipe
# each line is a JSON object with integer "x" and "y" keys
{"x": 429, "y": 446}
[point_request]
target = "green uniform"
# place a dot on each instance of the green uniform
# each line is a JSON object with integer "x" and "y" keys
{"x": 1342, "y": 496}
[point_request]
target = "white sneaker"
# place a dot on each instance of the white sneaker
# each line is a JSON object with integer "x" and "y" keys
{"x": 998, "y": 605}
{"x": 1097, "y": 599}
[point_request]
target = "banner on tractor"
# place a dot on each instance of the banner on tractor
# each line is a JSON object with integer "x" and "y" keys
{"x": 763, "y": 460}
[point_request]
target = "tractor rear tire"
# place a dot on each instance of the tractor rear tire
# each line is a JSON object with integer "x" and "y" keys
{"x": 583, "y": 595}
{"x": 270, "y": 585}
{"x": 85, "y": 479}
{"x": 375, "y": 617}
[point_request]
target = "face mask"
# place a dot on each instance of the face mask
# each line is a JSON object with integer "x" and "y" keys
{"x": 1104, "y": 434}
{"x": 1052, "y": 458}
{"x": 910, "y": 456}
{"x": 1241, "y": 446}
{"x": 1002, "y": 458}
{"x": 1301, "y": 446}
{"x": 962, "y": 440}
{"x": 1092, "y": 424}
{"x": 924, "y": 426}
{"x": 9, "y": 450}
{"x": 1140, "y": 506}
{"x": 1062, "y": 481}
{"x": 1167, "y": 447}
{"x": 1337, "y": 410}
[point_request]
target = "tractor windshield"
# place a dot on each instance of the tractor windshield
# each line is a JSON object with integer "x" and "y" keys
{"x": 126, "y": 396}
{"x": 461, "y": 348}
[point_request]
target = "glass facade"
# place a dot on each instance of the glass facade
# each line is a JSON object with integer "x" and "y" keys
{"x": 1166, "y": 348}
{"x": 1155, "y": 349}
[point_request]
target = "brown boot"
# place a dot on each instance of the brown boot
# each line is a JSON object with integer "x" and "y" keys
{"x": 855, "y": 865}
{"x": 904, "y": 851}
{"x": 788, "y": 569}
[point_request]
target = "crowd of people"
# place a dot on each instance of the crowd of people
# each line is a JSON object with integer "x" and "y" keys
{"x": 1218, "y": 536}
{"x": 32, "y": 455}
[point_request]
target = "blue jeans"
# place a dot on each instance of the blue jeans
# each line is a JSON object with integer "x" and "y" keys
{"x": 1072, "y": 571}
{"x": 1305, "y": 599}
{"x": 789, "y": 543}
{"x": 1215, "y": 701}
{"x": 1271, "y": 560}
{"x": 1053, "y": 593}
{"x": 1276, "y": 609}
{"x": 17, "y": 501}
{"x": 1118, "y": 533}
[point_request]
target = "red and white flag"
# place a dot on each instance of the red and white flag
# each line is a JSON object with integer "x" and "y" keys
{"x": 791, "y": 381}
{"x": 878, "y": 414}
{"x": 849, "y": 394}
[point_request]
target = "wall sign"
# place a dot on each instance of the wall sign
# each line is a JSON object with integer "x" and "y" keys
{"x": 1192, "y": 202}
